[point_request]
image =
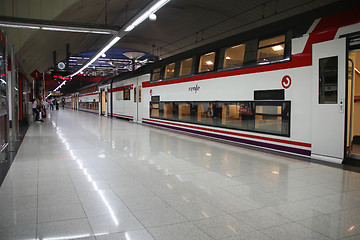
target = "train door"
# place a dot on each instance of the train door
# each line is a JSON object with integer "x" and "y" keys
{"x": 328, "y": 102}
{"x": 122, "y": 100}
{"x": 137, "y": 99}
{"x": 103, "y": 101}
{"x": 141, "y": 108}
{"x": 353, "y": 123}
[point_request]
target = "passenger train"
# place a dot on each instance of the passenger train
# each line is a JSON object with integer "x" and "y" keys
{"x": 293, "y": 91}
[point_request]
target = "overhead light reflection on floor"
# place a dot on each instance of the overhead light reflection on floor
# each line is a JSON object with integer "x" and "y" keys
{"x": 79, "y": 162}
{"x": 232, "y": 229}
{"x": 204, "y": 214}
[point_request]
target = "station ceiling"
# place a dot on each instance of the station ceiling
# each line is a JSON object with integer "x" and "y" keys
{"x": 181, "y": 24}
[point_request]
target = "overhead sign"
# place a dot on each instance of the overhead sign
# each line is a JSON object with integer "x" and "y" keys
{"x": 36, "y": 74}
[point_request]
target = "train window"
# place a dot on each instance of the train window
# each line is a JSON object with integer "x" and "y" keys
{"x": 127, "y": 93}
{"x": 139, "y": 94}
{"x": 154, "y": 109}
{"x": 169, "y": 71}
{"x": 169, "y": 108}
{"x": 268, "y": 118}
{"x": 271, "y": 49}
{"x": 156, "y": 74}
{"x": 328, "y": 80}
{"x": 134, "y": 94}
{"x": 271, "y": 117}
{"x": 206, "y": 63}
{"x": 184, "y": 111}
{"x": 186, "y": 67}
{"x": 234, "y": 56}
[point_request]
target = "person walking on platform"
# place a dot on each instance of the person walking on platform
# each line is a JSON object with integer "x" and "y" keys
{"x": 57, "y": 104}
{"x": 36, "y": 106}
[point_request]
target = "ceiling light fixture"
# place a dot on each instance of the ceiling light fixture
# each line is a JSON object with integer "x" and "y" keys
{"x": 277, "y": 48}
{"x": 144, "y": 15}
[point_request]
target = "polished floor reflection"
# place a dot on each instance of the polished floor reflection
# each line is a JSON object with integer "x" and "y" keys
{"x": 82, "y": 176}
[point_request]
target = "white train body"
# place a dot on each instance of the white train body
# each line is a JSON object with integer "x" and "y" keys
{"x": 316, "y": 129}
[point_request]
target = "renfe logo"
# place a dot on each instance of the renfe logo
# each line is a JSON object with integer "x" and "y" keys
{"x": 194, "y": 89}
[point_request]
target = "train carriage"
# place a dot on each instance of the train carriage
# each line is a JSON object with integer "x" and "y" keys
{"x": 88, "y": 99}
{"x": 289, "y": 92}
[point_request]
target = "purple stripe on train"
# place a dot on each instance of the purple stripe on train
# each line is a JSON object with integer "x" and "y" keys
{"x": 234, "y": 139}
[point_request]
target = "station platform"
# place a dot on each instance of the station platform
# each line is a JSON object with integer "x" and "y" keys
{"x": 82, "y": 176}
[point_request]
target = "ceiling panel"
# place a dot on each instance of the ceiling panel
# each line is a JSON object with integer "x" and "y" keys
{"x": 181, "y": 24}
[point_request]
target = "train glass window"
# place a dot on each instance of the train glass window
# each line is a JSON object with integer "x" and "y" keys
{"x": 134, "y": 94}
{"x": 272, "y": 118}
{"x": 155, "y": 112}
{"x": 184, "y": 111}
{"x": 204, "y": 113}
{"x": 186, "y": 67}
{"x": 156, "y": 74}
{"x": 328, "y": 80}
{"x": 169, "y": 71}
{"x": 206, "y": 63}
{"x": 234, "y": 56}
{"x": 127, "y": 93}
{"x": 271, "y": 49}
{"x": 169, "y": 110}
{"x": 139, "y": 94}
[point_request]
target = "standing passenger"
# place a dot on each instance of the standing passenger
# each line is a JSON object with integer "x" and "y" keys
{"x": 35, "y": 107}
{"x": 51, "y": 104}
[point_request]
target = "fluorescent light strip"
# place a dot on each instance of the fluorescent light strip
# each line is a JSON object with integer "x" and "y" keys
{"x": 18, "y": 26}
{"x": 94, "y": 58}
{"x": 74, "y": 30}
{"x": 145, "y": 15}
{"x": 56, "y": 28}
{"x": 64, "y": 29}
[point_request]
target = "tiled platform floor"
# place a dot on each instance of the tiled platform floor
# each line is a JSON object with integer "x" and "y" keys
{"x": 82, "y": 176}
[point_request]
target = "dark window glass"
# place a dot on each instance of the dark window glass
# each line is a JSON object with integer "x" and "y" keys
{"x": 277, "y": 94}
{"x": 328, "y": 80}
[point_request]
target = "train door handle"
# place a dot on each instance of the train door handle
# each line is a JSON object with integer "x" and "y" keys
{"x": 341, "y": 105}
